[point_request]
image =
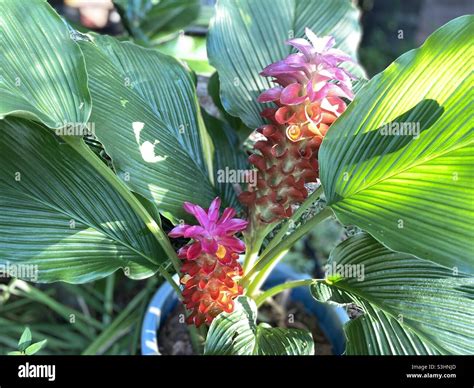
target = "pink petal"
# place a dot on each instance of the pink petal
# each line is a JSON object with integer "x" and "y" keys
{"x": 189, "y": 207}
{"x": 320, "y": 44}
{"x": 336, "y": 56}
{"x": 282, "y": 69}
{"x": 275, "y": 69}
{"x": 299, "y": 62}
{"x": 302, "y": 45}
{"x": 209, "y": 246}
{"x": 318, "y": 87}
{"x": 233, "y": 226}
{"x": 287, "y": 79}
{"x": 290, "y": 95}
{"x": 193, "y": 251}
{"x": 227, "y": 214}
{"x": 213, "y": 212}
{"x": 232, "y": 243}
{"x": 295, "y": 59}
{"x": 194, "y": 232}
{"x": 270, "y": 95}
{"x": 284, "y": 115}
{"x": 182, "y": 252}
{"x": 178, "y": 231}
{"x": 198, "y": 212}
{"x": 340, "y": 91}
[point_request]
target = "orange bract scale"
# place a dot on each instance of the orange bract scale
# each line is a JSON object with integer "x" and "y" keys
{"x": 208, "y": 293}
{"x": 308, "y": 99}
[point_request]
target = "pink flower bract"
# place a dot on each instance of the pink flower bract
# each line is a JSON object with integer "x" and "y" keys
{"x": 213, "y": 235}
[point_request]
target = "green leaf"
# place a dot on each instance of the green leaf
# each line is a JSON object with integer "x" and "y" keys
{"x": 246, "y": 35}
{"x": 25, "y": 340}
{"x": 43, "y": 71}
{"x": 233, "y": 333}
{"x": 152, "y": 20}
{"x": 61, "y": 220}
{"x": 411, "y": 306}
{"x": 213, "y": 89}
{"x": 230, "y": 162}
{"x": 414, "y": 195}
{"x": 190, "y": 49}
{"x": 377, "y": 333}
{"x": 35, "y": 348}
{"x": 147, "y": 117}
{"x": 237, "y": 333}
{"x": 273, "y": 341}
{"x": 15, "y": 353}
{"x": 122, "y": 323}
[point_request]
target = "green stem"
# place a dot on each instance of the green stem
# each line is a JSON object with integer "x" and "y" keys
{"x": 109, "y": 299}
{"x": 197, "y": 340}
{"x": 78, "y": 145}
{"x": 171, "y": 281}
{"x": 295, "y": 217}
{"x": 259, "y": 300}
{"x": 253, "y": 242}
{"x": 260, "y": 277}
{"x": 271, "y": 257}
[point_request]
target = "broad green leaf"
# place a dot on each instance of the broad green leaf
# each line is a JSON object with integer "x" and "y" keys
{"x": 235, "y": 123}
{"x": 377, "y": 333}
{"x": 412, "y": 194}
{"x": 246, "y": 35}
{"x": 237, "y": 333}
{"x": 233, "y": 333}
{"x": 190, "y": 49}
{"x": 411, "y": 306}
{"x": 273, "y": 341}
{"x": 147, "y": 117}
{"x": 43, "y": 71}
{"x": 25, "y": 340}
{"x": 35, "y": 348}
{"x": 230, "y": 162}
{"x": 60, "y": 220}
{"x": 151, "y": 20}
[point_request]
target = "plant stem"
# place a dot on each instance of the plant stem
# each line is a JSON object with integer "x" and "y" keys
{"x": 171, "y": 281}
{"x": 271, "y": 257}
{"x": 253, "y": 242}
{"x": 260, "y": 299}
{"x": 109, "y": 299}
{"x": 197, "y": 340}
{"x": 260, "y": 277}
{"x": 79, "y": 146}
{"x": 295, "y": 217}
{"x": 285, "y": 226}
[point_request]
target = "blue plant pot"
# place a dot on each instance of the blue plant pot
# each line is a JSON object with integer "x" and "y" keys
{"x": 330, "y": 318}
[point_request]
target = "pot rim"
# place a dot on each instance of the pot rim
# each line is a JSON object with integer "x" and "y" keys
{"x": 331, "y": 317}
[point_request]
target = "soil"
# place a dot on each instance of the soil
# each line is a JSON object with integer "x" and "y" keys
{"x": 173, "y": 338}
{"x": 280, "y": 312}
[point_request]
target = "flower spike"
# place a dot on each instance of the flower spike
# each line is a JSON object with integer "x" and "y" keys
{"x": 311, "y": 93}
{"x": 210, "y": 268}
